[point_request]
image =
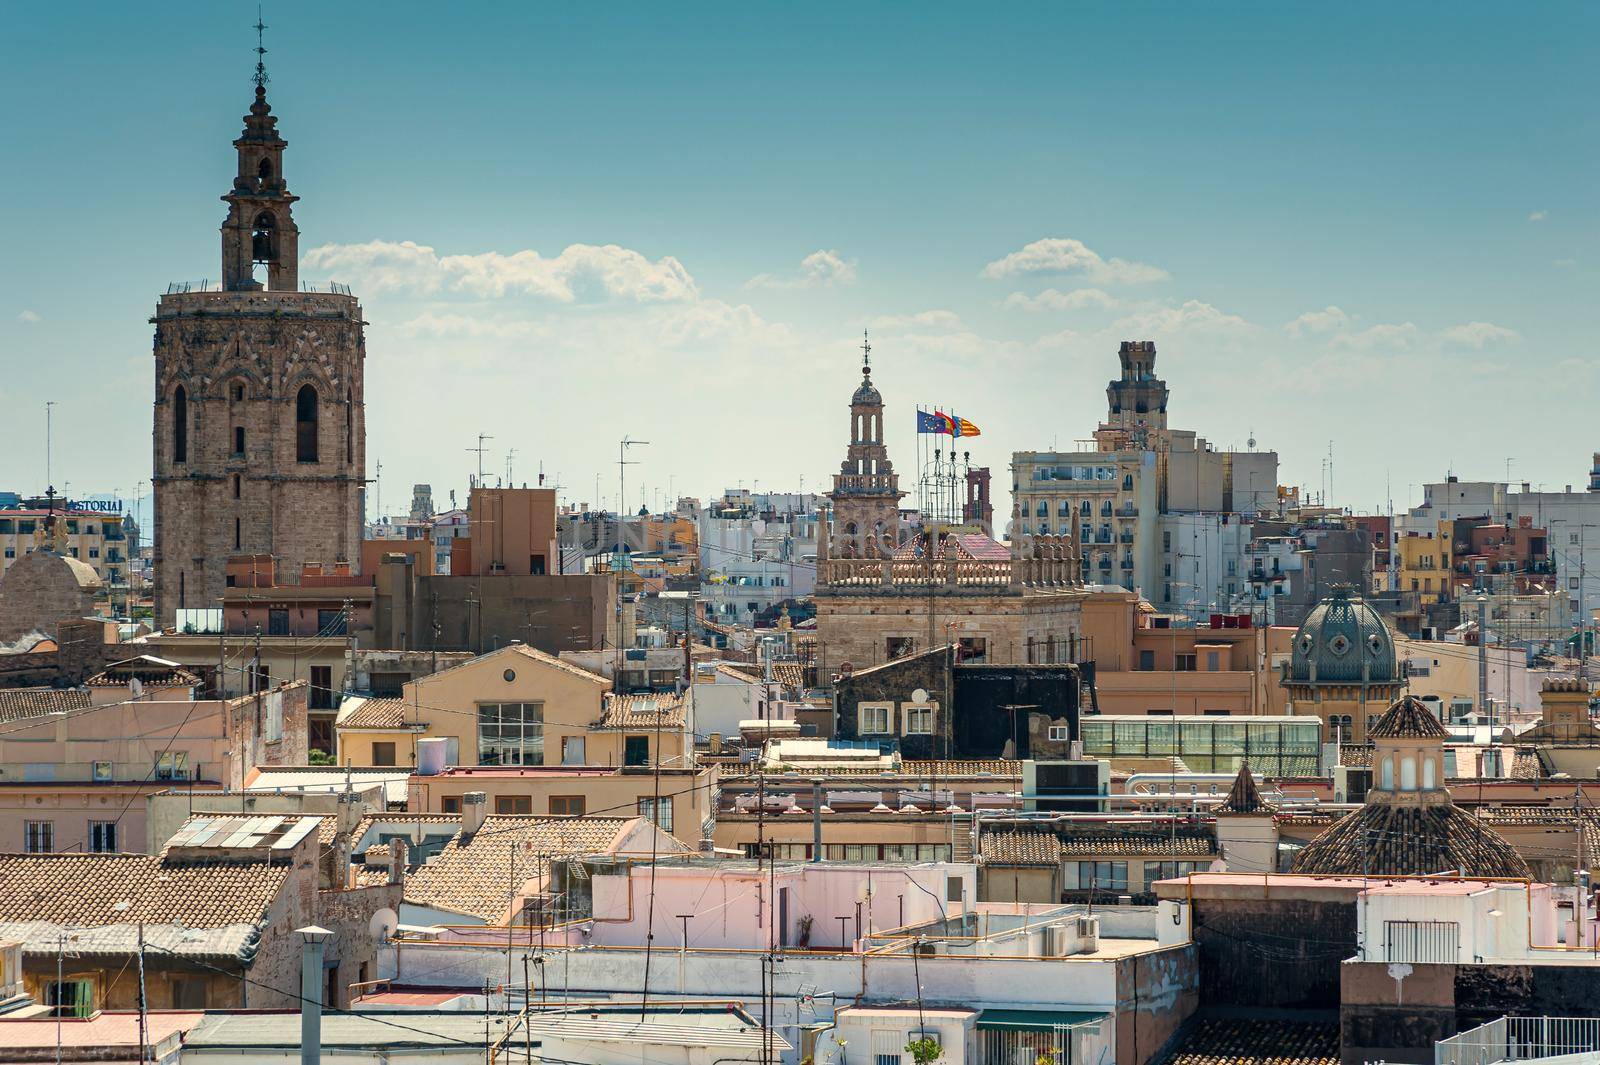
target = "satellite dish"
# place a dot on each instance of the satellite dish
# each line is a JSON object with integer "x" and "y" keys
{"x": 920, "y": 695}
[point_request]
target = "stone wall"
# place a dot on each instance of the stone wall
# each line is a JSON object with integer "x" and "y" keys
{"x": 856, "y": 629}
{"x": 1273, "y": 953}
{"x": 242, "y": 358}
{"x": 40, "y": 590}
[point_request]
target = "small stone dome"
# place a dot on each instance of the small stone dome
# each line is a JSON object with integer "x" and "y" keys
{"x": 867, "y": 392}
{"x": 1342, "y": 641}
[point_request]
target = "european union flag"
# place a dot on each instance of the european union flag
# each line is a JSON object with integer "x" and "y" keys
{"x": 929, "y": 422}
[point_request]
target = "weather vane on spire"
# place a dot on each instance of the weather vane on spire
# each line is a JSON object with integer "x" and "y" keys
{"x": 261, "y": 78}
{"x": 866, "y": 353}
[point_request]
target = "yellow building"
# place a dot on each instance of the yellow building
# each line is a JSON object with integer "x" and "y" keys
{"x": 1422, "y": 563}
{"x": 516, "y": 706}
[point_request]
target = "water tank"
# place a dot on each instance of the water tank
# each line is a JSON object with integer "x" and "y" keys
{"x": 431, "y": 756}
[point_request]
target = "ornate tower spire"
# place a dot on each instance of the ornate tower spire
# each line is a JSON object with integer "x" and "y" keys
{"x": 260, "y": 224}
{"x": 866, "y": 490}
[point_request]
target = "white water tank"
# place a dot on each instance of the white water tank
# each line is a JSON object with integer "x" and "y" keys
{"x": 431, "y": 756}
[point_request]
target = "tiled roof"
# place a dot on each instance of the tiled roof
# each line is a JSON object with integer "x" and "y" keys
{"x": 147, "y": 669}
{"x": 472, "y": 875}
{"x": 663, "y": 710}
{"x": 1527, "y": 764}
{"x": 1513, "y": 816}
{"x": 1019, "y": 848}
{"x": 1216, "y": 1041}
{"x": 1356, "y": 755}
{"x": 22, "y": 704}
{"x": 41, "y": 893}
{"x": 973, "y": 546}
{"x": 1137, "y": 845}
{"x": 373, "y": 714}
{"x": 792, "y": 675}
{"x": 1243, "y": 798}
{"x": 1408, "y": 718}
{"x": 1389, "y": 838}
{"x": 737, "y": 674}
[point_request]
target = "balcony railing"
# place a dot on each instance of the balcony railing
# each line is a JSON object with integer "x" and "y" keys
{"x": 1520, "y": 1039}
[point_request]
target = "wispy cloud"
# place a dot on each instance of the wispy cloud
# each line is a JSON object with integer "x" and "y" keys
{"x": 580, "y": 273}
{"x": 821, "y": 269}
{"x": 1054, "y": 300}
{"x": 28, "y": 317}
{"x": 1192, "y": 317}
{"x": 1478, "y": 335}
{"x": 921, "y": 320}
{"x": 1328, "y": 320}
{"x": 1064, "y": 255}
{"x": 1538, "y": 216}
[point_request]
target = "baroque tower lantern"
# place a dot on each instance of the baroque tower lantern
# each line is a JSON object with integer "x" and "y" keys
{"x": 866, "y": 491}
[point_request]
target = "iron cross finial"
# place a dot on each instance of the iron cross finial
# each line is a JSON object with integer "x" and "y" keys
{"x": 261, "y": 78}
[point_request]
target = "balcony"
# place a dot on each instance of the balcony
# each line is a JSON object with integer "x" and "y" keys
{"x": 1573, "y": 1039}
{"x": 1103, "y": 538}
{"x": 1127, "y": 512}
{"x": 1127, "y": 563}
{"x": 1126, "y": 538}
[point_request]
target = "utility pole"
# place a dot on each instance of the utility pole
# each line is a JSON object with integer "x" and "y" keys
{"x": 377, "y": 492}
{"x": 1483, "y": 655}
{"x": 511, "y": 453}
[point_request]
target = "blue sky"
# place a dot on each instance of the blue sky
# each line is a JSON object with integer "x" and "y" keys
{"x": 1369, "y": 226}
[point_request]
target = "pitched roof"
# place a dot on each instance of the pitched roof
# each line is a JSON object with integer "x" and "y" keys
{"x": 1243, "y": 798}
{"x": 42, "y": 893}
{"x": 359, "y": 713}
{"x": 791, "y": 675}
{"x": 1355, "y": 755}
{"x": 147, "y": 669}
{"x": 737, "y": 674}
{"x": 1408, "y": 718}
{"x": 1400, "y": 839}
{"x": 965, "y": 546}
{"x": 472, "y": 874}
{"x": 1138, "y": 845}
{"x": 23, "y": 704}
{"x": 524, "y": 651}
{"x": 1236, "y": 1041}
{"x": 642, "y": 711}
{"x": 1527, "y": 764}
{"x": 1019, "y": 848}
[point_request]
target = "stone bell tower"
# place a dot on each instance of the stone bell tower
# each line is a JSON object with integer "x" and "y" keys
{"x": 866, "y": 491}
{"x": 260, "y": 431}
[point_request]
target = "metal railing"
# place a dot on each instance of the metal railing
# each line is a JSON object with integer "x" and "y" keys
{"x": 1520, "y": 1039}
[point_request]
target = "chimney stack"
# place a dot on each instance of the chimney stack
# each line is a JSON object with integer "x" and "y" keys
{"x": 474, "y": 808}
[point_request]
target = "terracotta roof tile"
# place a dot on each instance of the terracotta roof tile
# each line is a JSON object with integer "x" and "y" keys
{"x": 359, "y": 713}
{"x": 1387, "y": 838}
{"x": 1216, "y": 1041}
{"x": 472, "y": 874}
{"x": 1527, "y": 764}
{"x": 22, "y": 704}
{"x": 1137, "y": 845}
{"x": 663, "y": 710}
{"x": 792, "y": 675}
{"x": 1243, "y": 798}
{"x": 1356, "y": 755}
{"x": 1019, "y": 848}
{"x": 1408, "y": 718}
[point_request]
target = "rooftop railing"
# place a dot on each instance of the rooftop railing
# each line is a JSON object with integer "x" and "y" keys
{"x": 1522, "y": 1039}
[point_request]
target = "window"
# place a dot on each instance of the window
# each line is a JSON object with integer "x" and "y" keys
{"x": 1388, "y": 774}
{"x": 236, "y": 392}
{"x": 101, "y": 772}
{"x": 1428, "y": 781}
{"x": 572, "y": 750}
{"x": 636, "y": 750}
{"x": 238, "y": 440}
{"x": 1408, "y": 773}
{"x": 1060, "y": 733}
{"x": 305, "y": 425}
{"x": 103, "y": 837}
{"x": 658, "y": 810}
{"x": 383, "y": 752}
{"x": 1184, "y": 663}
{"x": 173, "y": 765}
{"x": 238, "y": 486}
{"x": 450, "y": 804}
{"x": 320, "y": 697}
{"x": 180, "y": 425}
{"x": 887, "y": 1047}
{"x": 69, "y": 998}
{"x": 1154, "y": 871}
{"x": 1102, "y": 876}
{"x": 1147, "y": 660}
{"x": 39, "y": 837}
{"x": 511, "y": 734}
{"x": 331, "y": 622}
{"x": 873, "y": 719}
{"x": 513, "y": 804}
{"x": 567, "y": 805}
{"x": 919, "y": 721}
{"x": 1213, "y": 661}
{"x": 898, "y": 646}
{"x": 972, "y": 648}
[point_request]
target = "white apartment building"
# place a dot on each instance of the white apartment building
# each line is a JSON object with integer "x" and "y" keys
{"x": 1106, "y": 499}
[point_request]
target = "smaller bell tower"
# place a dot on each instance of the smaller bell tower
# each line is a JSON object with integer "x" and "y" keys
{"x": 260, "y": 224}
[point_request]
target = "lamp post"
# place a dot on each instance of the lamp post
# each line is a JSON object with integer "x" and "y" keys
{"x": 311, "y": 993}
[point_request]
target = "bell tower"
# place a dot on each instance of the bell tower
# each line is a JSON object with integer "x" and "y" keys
{"x": 866, "y": 490}
{"x": 259, "y": 426}
{"x": 260, "y": 224}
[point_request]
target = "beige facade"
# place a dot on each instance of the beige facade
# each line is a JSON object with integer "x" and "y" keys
{"x": 95, "y": 538}
{"x": 514, "y": 707}
{"x": 684, "y": 797}
{"x": 259, "y": 431}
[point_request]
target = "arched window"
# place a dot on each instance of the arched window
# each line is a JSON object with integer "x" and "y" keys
{"x": 264, "y": 238}
{"x": 349, "y": 427}
{"x": 180, "y": 425}
{"x": 305, "y": 425}
{"x": 1408, "y": 773}
{"x": 1428, "y": 782}
{"x": 264, "y": 171}
{"x": 1388, "y": 774}
{"x": 238, "y": 486}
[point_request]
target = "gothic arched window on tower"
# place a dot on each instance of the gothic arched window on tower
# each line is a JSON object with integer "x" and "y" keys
{"x": 349, "y": 427}
{"x": 180, "y": 425}
{"x": 264, "y": 171}
{"x": 264, "y": 238}
{"x": 305, "y": 425}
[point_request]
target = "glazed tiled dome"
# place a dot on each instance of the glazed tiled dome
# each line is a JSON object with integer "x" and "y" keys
{"x": 1342, "y": 641}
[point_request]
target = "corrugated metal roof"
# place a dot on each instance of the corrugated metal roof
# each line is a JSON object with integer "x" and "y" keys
{"x": 689, "y": 1030}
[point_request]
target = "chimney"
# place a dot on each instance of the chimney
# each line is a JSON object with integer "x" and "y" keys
{"x": 474, "y": 808}
{"x": 399, "y": 857}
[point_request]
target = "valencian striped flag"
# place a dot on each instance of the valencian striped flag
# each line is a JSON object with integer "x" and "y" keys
{"x": 945, "y": 424}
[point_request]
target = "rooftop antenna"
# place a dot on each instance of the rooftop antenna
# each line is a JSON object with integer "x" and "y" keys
{"x": 261, "y": 78}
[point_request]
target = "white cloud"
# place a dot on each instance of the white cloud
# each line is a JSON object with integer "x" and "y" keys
{"x": 1191, "y": 318}
{"x": 1478, "y": 335}
{"x": 1064, "y": 255}
{"x": 581, "y": 273}
{"x": 1054, "y": 300}
{"x": 922, "y": 320}
{"x": 28, "y": 317}
{"x": 1328, "y": 320}
{"x": 1538, "y": 216}
{"x": 821, "y": 269}
{"x": 708, "y": 320}
{"x": 1380, "y": 337}
{"x": 430, "y": 324}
